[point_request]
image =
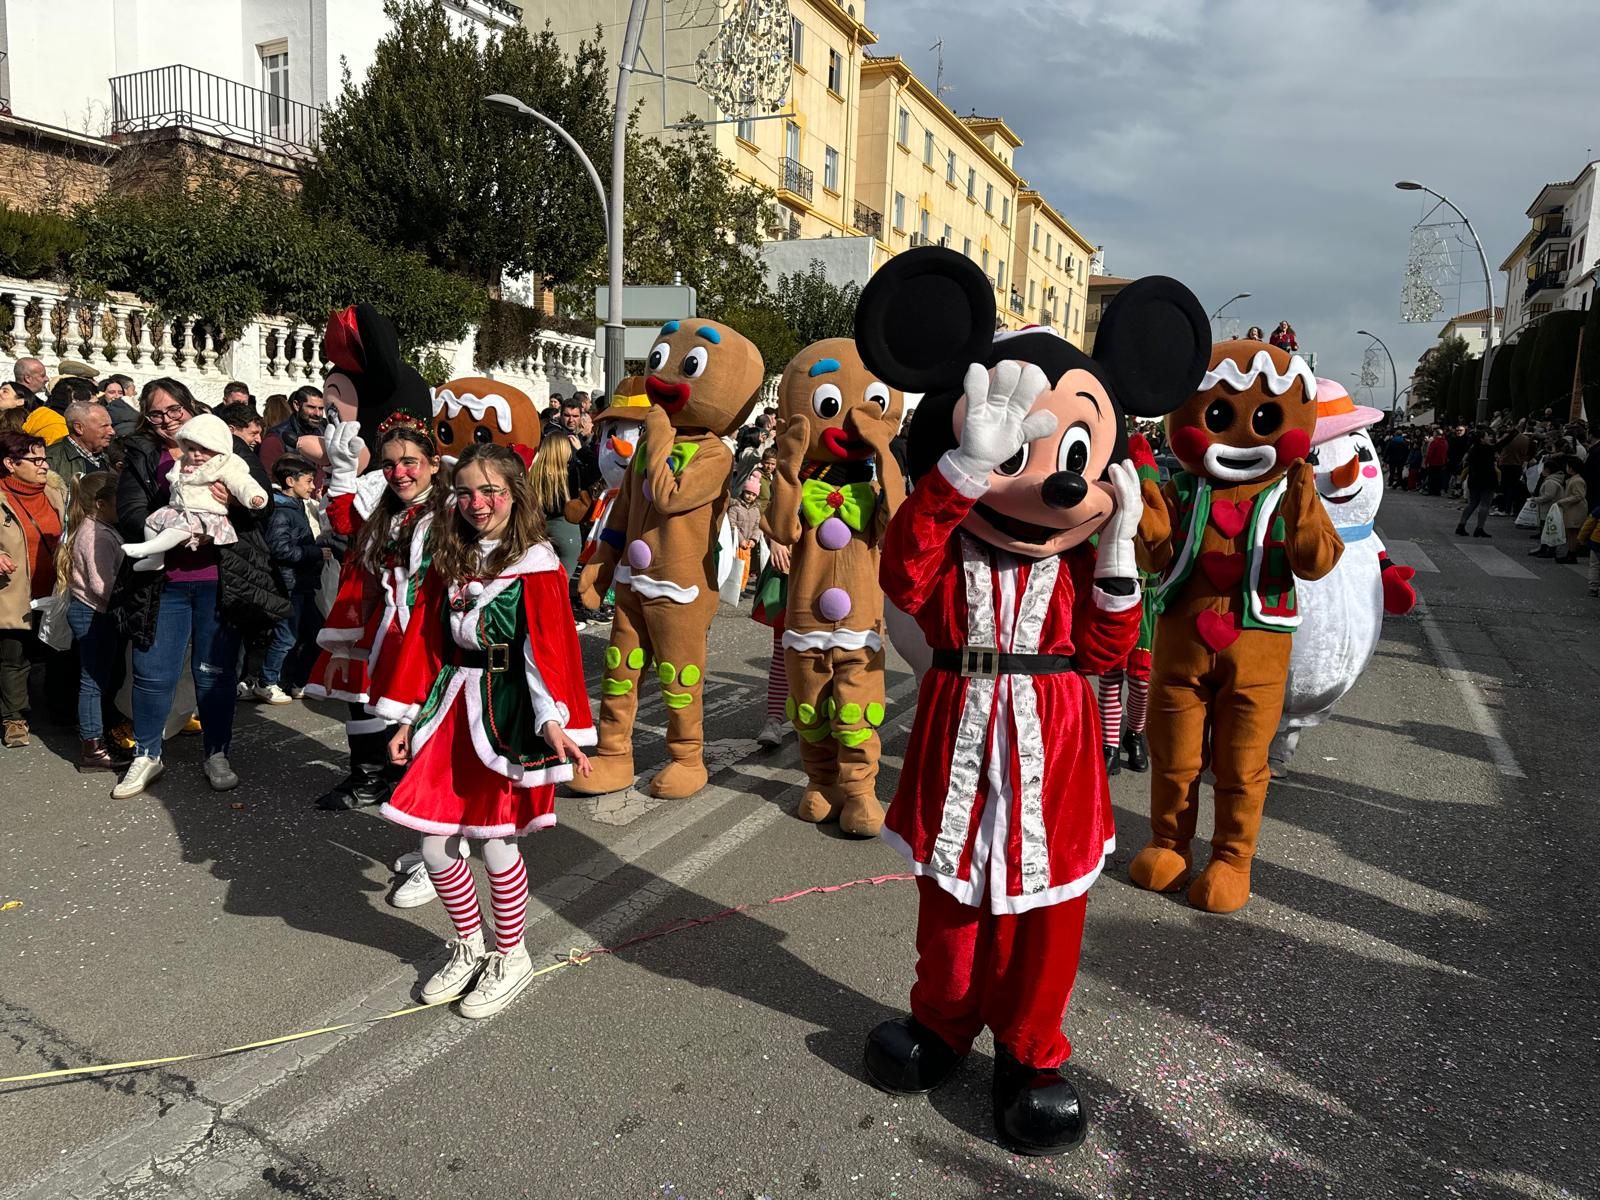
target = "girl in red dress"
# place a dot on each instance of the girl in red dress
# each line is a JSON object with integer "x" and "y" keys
{"x": 489, "y": 694}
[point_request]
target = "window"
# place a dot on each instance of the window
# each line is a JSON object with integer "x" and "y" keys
{"x": 903, "y": 130}
{"x": 922, "y": 224}
{"x": 985, "y": 262}
{"x": 275, "y": 82}
{"x": 950, "y": 168}
{"x": 830, "y": 169}
{"x": 797, "y": 42}
{"x": 1070, "y": 267}
{"x": 927, "y": 148}
{"x": 972, "y": 183}
{"x": 1080, "y": 270}
{"x": 1048, "y": 247}
{"x": 1000, "y": 276}
{"x": 835, "y": 72}
{"x": 1036, "y": 238}
{"x": 1005, "y": 210}
{"x": 966, "y": 247}
{"x": 1033, "y": 293}
{"x": 746, "y": 129}
{"x": 791, "y": 140}
{"x": 988, "y": 198}
{"x": 947, "y": 238}
{"x": 899, "y": 211}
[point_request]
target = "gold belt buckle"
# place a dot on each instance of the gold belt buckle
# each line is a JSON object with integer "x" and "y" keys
{"x": 980, "y": 662}
{"x": 499, "y": 658}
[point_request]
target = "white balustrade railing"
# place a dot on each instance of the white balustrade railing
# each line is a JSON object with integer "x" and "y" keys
{"x": 120, "y": 335}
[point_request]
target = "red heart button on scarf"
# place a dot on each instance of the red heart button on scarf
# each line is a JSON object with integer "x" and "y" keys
{"x": 1229, "y": 516}
{"x": 1223, "y": 570}
{"x": 1217, "y": 630}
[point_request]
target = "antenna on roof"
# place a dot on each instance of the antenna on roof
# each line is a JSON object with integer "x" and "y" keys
{"x": 940, "y": 87}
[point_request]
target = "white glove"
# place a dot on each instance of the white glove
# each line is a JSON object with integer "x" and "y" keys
{"x": 1114, "y": 559}
{"x": 343, "y": 446}
{"x": 998, "y": 423}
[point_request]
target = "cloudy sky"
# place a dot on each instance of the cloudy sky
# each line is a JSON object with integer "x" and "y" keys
{"x": 1252, "y": 145}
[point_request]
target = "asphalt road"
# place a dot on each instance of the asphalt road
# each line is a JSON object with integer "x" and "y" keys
{"x": 1407, "y": 1007}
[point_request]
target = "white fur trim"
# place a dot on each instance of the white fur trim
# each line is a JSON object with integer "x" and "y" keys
{"x": 1261, "y": 367}
{"x": 333, "y": 640}
{"x": 520, "y": 776}
{"x": 451, "y": 406}
{"x": 317, "y": 692}
{"x": 838, "y": 639}
{"x": 390, "y": 813}
{"x": 971, "y": 892}
{"x": 1111, "y": 602}
{"x": 971, "y": 488}
{"x": 393, "y": 711}
{"x": 366, "y": 725}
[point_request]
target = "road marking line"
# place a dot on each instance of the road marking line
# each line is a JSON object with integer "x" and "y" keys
{"x": 1409, "y": 554}
{"x": 1471, "y": 695}
{"x": 1494, "y": 562}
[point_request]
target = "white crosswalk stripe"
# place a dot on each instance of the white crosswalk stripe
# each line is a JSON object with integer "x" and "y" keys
{"x": 1494, "y": 562}
{"x": 1409, "y": 554}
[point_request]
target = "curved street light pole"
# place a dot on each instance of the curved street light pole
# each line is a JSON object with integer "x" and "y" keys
{"x": 1240, "y": 296}
{"x": 1411, "y": 185}
{"x": 619, "y": 151}
{"x": 512, "y": 104}
{"x": 1394, "y": 378}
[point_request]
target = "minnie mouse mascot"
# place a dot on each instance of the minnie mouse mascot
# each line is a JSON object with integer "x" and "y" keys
{"x": 1019, "y": 453}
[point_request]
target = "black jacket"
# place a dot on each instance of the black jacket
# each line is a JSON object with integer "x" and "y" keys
{"x": 1482, "y": 474}
{"x": 296, "y": 554}
{"x": 249, "y": 596}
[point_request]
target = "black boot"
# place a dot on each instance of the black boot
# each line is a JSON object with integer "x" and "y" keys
{"x": 1037, "y": 1111}
{"x": 1133, "y": 745}
{"x": 1461, "y": 531}
{"x": 906, "y": 1058}
{"x": 1113, "y": 761}
{"x": 368, "y": 782}
{"x": 340, "y": 797}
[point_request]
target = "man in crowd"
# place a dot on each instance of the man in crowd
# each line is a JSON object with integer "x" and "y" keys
{"x": 307, "y": 418}
{"x": 87, "y": 445}
{"x": 236, "y": 393}
{"x": 122, "y": 402}
{"x": 1513, "y": 450}
{"x": 31, "y": 377}
{"x": 244, "y": 421}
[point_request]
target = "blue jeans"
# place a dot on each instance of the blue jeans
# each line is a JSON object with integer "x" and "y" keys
{"x": 293, "y": 649}
{"x": 187, "y": 621}
{"x": 98, "y": 649}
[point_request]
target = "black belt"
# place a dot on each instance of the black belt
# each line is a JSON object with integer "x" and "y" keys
{"x": 977, "y": 662}
{"x": 495, "y": 659}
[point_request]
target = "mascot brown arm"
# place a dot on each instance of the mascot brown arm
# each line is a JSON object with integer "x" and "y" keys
{"x": 781, "y": 521}
{"x": 1311, "y": 542}
{"x": 877, "y": 431}
{"x": 701, "y": 480}
{"x": 1154, "y": 540}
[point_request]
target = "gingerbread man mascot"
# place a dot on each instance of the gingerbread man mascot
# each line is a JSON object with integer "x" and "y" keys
{"x": 1003, "y": 809}
{"x": 660, "y": 550}
{"x": 1231, "y": 533}
{"x": 837, "y": 486}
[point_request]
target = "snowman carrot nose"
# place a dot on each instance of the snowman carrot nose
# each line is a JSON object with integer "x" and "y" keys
{"x": 1343, "y": 476}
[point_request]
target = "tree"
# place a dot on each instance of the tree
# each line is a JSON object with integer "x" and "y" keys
{"x": 1550, "y": 380}
{"x": 1522, "y": 358}
{"x": 411, "y": 157}
{"x": 1433, "y": 376}
{"x": 1500, "y": 380}
{"x": 815, "y": 308}
{"x": 1589, "y": 361}
{"x": 766, "y": 327}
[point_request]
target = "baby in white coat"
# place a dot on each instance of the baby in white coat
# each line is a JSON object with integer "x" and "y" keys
{"x": 193, "y": 515}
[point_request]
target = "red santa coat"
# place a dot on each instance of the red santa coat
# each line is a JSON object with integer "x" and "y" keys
{"x": 1004, "y": 786}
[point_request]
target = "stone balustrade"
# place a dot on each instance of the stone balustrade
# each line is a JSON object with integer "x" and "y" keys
{"x": 120, "y": 335}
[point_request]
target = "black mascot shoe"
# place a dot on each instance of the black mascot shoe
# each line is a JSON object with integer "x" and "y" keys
{"x": 362, "y": 788}
{"x": 1113, "y": 761}
{"x": 1133, "y": 745}
{"x": 1036, "y": 1109}
{"x": 906, "y": 1058}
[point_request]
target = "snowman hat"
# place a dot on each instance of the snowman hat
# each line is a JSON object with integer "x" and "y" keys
{"x": 1338, "y": 415}
{"x": 628, "y": 404}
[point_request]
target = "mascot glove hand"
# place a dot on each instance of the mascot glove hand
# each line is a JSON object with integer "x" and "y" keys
{"x": 1399, "y": 597}
{"x": 343, "y": 446}
{"x": 998, "y": 423}
{"x": 1115, "y": 557}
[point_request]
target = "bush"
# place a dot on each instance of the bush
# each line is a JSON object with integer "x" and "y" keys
{"x": 225, "y": 252}
{"x": 507, "y": 335}
{"x": 34, "y": 245}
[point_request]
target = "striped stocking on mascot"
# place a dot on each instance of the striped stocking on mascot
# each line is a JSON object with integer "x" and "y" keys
{"x": 1019, "y": 454}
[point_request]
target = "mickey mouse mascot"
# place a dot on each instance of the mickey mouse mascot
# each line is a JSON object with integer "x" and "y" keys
{"x": 1019, "y": 454}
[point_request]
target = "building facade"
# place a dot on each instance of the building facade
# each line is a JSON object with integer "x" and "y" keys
{"x": 1557, "y": 257}
{"x": 1473, "y": 328}
{"x": 1052, "y": 284}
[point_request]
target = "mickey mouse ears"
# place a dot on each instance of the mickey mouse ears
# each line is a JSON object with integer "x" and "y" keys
{"x": 924, "y": 317}
{"x": 1154, "y": 342}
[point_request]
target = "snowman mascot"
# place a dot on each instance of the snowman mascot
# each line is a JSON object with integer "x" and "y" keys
{"x": 1342, "y": 613}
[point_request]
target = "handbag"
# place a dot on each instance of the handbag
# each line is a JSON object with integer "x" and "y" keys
{"x": 1528, "y": 518}
{"x": 53, "y": 628}
{"x": 1554, "y": 532}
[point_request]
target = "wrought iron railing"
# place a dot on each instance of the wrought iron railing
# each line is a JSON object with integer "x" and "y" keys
{"x": 181, "y": 97}
{"x": 1016, "y": 303}
{"x": 868, "y": 220}
{"x": 1544, "y": 231}
{"x": 1543, "y": 280}
{"x": 796, "y": 179}
{"x": 5, "y": 86}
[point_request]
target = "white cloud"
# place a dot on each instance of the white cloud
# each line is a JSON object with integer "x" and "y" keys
{"x": 1251, "y": 145}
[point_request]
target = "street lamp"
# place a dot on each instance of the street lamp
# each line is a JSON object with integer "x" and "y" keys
{"x": 1411, "y": 185}
{"x": 1240, "y": 296}
{"x": 1394, "y": 379}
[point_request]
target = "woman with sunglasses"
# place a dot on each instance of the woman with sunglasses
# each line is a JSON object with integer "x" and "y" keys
{"x": 204, "y": 602}
{"x": 31, "y": 506}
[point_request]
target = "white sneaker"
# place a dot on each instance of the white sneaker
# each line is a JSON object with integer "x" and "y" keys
{"x": 243, "y": 689}
{"x": 219, "y": 774}
{"x": 271, "y": 694}
{"x": 413, "y": 858}
{"x": 504, "y": 976}
{"x": 450, "y": 980}
{"x": 141, "y": 773}
{"x": 415, "y": 891}
{"x": 773, "y": 733}
{"x": 297, "y": 693}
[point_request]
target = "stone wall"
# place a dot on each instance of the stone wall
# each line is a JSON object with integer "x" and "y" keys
{"x": 50, "y": 170}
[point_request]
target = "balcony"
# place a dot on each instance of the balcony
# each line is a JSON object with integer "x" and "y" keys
{"x": 1548, "y": 228}
{"x": 5, "y": 93}
{"x": 868, "y": 221}
{"x": 1539, "y": 281}
{"x": 180, "y": 97}
{"x": 794, "y": 179}
{"x": 1016, "y": 303}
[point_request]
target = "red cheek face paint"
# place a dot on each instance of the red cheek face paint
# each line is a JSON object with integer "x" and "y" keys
{"x": 1292, "y": 445}
{"x": 1190, "y": 443}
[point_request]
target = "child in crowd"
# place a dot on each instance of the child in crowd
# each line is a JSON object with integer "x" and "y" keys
{"x": 744, "y": 514}
{"x": 489, "y": 693}
{"x": 299, "y": 548}
{"x": 86, "y": 564}
{"x": 194, "y": 515}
